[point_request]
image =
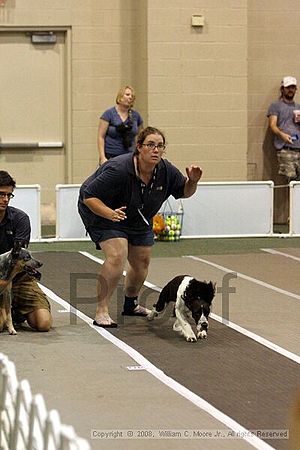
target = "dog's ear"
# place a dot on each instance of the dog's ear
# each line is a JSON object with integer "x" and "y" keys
{"x": 214, "y": 286}
{"x": 16, "y": 249}
{"x": 17, "y": 246}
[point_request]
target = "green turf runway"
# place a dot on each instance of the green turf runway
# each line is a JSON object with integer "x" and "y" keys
{"x": 204, "y": 246}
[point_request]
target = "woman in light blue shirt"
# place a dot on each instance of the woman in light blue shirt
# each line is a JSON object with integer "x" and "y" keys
{"x": 119, "y": 126}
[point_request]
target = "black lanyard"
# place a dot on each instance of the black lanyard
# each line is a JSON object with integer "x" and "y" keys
{"x": 143, "y": 186}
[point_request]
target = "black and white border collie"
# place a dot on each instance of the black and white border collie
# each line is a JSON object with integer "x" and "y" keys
{"x": 192, "y": 298}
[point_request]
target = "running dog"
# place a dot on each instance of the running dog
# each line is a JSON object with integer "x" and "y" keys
{"x": 192, "y": 298}
{"x": 17, "y": 260}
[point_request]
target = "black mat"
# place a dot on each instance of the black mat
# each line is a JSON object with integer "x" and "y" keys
{"x": 243, "y": 379}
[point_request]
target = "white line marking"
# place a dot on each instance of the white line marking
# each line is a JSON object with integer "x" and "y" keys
{"x": 246, "y": 277}
{"x": 255, "y": 337}
{"x": 161, "y": 376}
{"x": 101, "y": 261}
{"x": 276, "y": 252}
{"x": 276, "y": 348}
{"x": 135, "y": 368}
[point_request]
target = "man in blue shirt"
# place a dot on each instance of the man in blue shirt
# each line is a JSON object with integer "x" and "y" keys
{"x": 284, "y": 122}
{"x": 29, "y": 302}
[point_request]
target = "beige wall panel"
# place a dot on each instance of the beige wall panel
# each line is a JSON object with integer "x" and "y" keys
{"x": 165, "y": 101}
{"x": 95, "y": 68}
{"x": 92, "y": 102}
{"x": 272, "y": 47}
{"x": 225, "y": 171}
{"x": 216, "y": 171}
{"x": 205, "y": 101}
{"x": 82, "y": 149}
{"x": 45, "y": 168}
{"x": 215, "y": 118}
{"x": 89, "y": 167}
{"x": 164, "y": 119}
{"x": 36, "y": 5}
{"x": 208, "y": 89}
{"x": 164, "y": 51}
{"x": 97, "y": 35}
{"x": 166, "y": 84}
{"x": 257, "y": 119}
{"x": 205, "y": 84}
{"x": 102, "y": 58}
{"x": 33, "y": 109}
{"x": 85, "y": 118}
{"x": 258, "y": 134}
{"x": 84, "y": 135}
{"x": 198, "y": 153}
{"x": 100, "y": 52}
{"x": 165, "y": 69}
{"x": 88, "y": 85}
{"x": 33, "y": 71}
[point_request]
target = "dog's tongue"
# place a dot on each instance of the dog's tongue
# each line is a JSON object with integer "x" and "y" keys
{"x": 33, "y": 272}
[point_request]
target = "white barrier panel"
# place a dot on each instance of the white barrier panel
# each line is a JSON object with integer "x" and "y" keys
{"x": 25, "y": 422}
{"x": 295, "y": 208}
{"x": 215, "y": 210}
{"x": 28, "y": 199}
{"x": 228, "y": 209}
{"x": 68, "y": 222}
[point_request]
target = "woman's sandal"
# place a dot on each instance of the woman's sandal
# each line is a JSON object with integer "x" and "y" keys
{"x": 138, "y": 310}
{"x": 105, "y": 321}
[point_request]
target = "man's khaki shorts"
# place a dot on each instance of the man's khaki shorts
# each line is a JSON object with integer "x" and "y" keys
{"x": 27, "y": 295}
{"x": 289, "y": 162}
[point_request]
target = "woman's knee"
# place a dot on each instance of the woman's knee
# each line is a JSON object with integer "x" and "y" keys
{"x": 115, "y": 252}
{"x": 117, "y": 260}
{"x": 140, "y": 262}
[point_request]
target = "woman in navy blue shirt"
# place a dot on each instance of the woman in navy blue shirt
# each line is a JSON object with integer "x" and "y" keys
{"x": 117, "y": 204}
{"x": 119, "y": 126}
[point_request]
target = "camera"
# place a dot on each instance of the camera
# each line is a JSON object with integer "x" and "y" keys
{"x": 125, "y": 131}
{"x": 124, "y": 128}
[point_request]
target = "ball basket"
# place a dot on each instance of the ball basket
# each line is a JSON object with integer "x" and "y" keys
{"x": 167, "y": 224}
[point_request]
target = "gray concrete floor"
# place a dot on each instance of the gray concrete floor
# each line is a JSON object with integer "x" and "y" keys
{"x": 86, "y": 378}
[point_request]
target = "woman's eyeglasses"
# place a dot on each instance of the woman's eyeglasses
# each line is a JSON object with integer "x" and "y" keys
{"x": 152, "y": 146}
{"x": 5, "y": 194}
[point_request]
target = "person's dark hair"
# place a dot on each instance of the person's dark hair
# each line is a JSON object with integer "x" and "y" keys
{"x": 6, "y": 179}
{"x": 281, "y": 92}
{"x": 145, "y": 132}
